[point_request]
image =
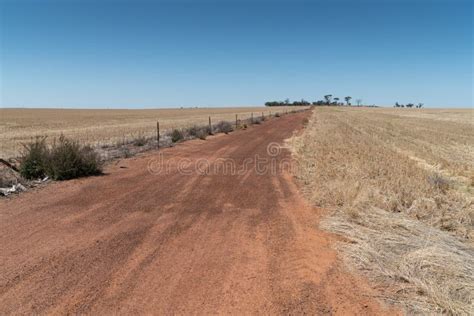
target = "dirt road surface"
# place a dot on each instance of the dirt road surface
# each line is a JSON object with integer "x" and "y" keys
{"x": 177, "y": 241}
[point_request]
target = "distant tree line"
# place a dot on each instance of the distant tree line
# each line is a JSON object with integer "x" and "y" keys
{"x": 408, "y": 105}
{"x": 287, "y": 103}
{"x": 328, "y": 100}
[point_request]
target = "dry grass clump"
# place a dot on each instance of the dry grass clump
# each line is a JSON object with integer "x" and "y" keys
{"x": 410, "y": 228}
{"x": 423, "y": 269}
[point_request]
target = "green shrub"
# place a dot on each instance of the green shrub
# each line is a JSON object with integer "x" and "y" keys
{"x": 66, "y": 159}
{"x": 176, "y": 135}
{"x": 69, "y": 160}
{"x": 34, "y": 159}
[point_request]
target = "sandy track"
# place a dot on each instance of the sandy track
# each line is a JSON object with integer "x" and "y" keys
{"x": 132, "y": 241}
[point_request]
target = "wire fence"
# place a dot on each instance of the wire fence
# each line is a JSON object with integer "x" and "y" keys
{"x": 119, "y": 135}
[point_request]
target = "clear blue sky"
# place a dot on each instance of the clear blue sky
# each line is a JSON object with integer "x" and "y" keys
{"x": 228, "y": 53}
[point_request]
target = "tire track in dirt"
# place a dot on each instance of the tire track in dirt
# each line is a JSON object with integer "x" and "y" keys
{"x": 132, "y": 241}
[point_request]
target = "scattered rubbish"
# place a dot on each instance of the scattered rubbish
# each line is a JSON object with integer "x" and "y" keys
{"x": 14, "y": 189}
{"x": 11, "y": 181}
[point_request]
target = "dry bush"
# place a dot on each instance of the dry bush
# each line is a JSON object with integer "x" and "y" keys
{"x": 140, "y": 140}
{"x": 200, "y": 132}
{"x": 68, "y": 159}
{"x": 410, "y": 230}
{"x": 125, "y": 152}
{"x": 177, "y": 135}
{"x": 65, "y": 159}
{"x": 223, "y": 127}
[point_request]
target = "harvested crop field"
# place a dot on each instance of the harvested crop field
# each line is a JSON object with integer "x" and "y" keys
{"x": 108, "y": 127}
{"x": 400, "y": 187}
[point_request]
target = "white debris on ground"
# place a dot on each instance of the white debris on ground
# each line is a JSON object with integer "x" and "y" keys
{"x": 11, "y": 181}
{"x": 18, "y": 187}
{"x": 14, "y": 189}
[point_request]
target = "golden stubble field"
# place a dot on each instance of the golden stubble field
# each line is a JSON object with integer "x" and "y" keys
{"x": 400, "y": 187}
{"x": 107, "y": 127}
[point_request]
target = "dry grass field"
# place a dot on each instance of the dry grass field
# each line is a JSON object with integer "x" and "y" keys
{"x": 399, "y": 187}
{"x": 106, "y": 127}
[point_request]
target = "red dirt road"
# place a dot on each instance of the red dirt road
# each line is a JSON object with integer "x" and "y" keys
{"x": 134, "y": 241}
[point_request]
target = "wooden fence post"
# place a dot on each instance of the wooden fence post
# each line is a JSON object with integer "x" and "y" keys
{"x": 210, "y": 126}
{"x": 157, "y": 134}
{"x": 236, "y": 121}
{"x": 251, "y": 117}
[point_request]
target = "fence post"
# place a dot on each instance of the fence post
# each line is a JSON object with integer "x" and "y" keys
{"x": 236, "y": 121}
{"x": 210, "y": 126}
{"x": 158, "y": 134}
{"x": 251, "y": 117}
